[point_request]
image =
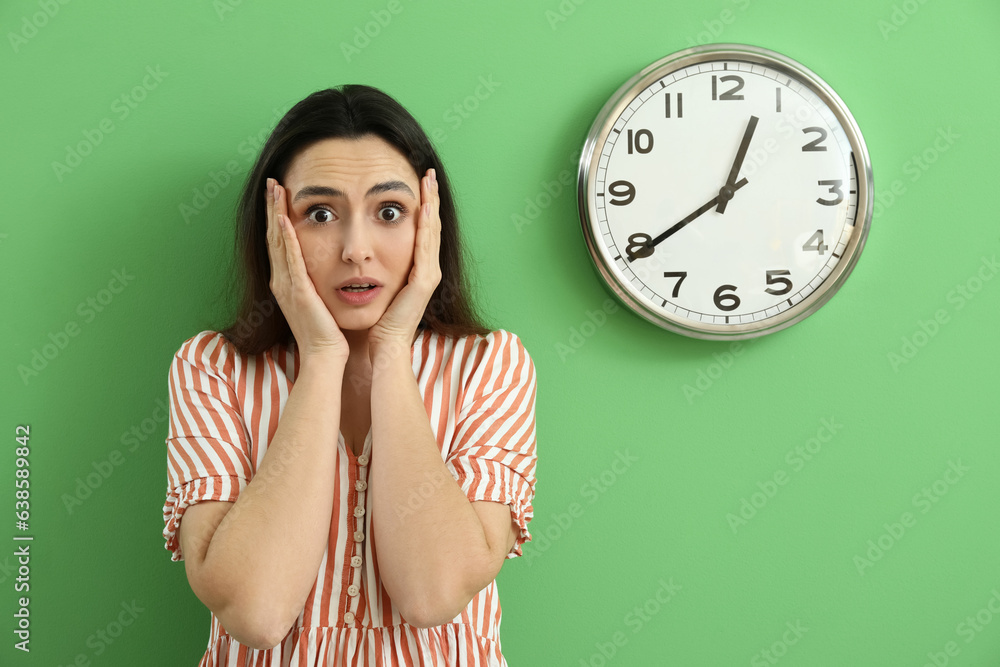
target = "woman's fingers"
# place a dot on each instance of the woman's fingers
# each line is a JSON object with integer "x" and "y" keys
{"x": 294, "y": 263}
{"x": 436, "y": 231}
{"x": 402, "y": 317}
{"x": 313, "y": 326}
{"x": 275, "y": 241}
{"x": 426, "y": 260}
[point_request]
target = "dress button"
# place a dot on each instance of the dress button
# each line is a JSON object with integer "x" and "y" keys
{"x": 359, "y": 536}
{"x": 355, "y": 561}
{"x": 349, "y": 617}
{"x": 352, "y": 590}
{"x": 359, "y": 511}
{"x": 363, "y": 460}
{"x": 360, "y": 485}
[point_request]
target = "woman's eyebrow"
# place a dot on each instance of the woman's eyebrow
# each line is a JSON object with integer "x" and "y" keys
{"x": 389, "y": 186}
{"x": 377, "y": 189}
{"x": 317, "y": 191}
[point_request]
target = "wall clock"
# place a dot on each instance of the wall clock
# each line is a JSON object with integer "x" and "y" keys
{"x": 725, "y": 192}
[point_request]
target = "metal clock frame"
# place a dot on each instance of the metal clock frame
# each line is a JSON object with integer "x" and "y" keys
{"x": 609, "y": 115}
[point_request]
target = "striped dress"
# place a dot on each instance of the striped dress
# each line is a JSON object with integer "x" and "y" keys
{"x": 479, "y": 392}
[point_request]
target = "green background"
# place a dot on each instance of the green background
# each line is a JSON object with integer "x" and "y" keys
{"x": 605, "y": 533}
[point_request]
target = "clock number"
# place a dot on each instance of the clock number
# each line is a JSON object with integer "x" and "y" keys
{"x": 815, "y": 242}
{"x": 777, "y": 99}
{"x": 835, "y": 185}
{"x": 726, "y": 302}
{"x": 680, "y": 275}
{"x": 622, "y": 189}
{"x": 638, "y": 143}
{"x": 727, "y": 94}
{"x": 641, "y": 244}
{"x": 774, "y": 278}
{"x": 814, "y": 145}
{"x": 680, "y": 105}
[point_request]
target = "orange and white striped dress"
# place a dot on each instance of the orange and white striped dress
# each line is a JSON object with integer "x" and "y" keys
{"x": 479, "y": 392}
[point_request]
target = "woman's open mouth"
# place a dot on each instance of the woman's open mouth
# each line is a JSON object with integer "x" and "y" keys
{"x": 359, "y": 294}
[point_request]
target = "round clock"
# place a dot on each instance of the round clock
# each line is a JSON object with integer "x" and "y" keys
{"x": 725, "y": 192}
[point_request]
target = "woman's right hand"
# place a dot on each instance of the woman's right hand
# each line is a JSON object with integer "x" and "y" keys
{"x": 315, "y": 330}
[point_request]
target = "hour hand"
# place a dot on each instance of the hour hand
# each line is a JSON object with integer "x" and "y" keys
{"x": 727, "y": 190}
{"x": 691, "y": 217}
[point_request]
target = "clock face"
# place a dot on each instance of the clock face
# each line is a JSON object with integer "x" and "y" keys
{"x": 725, "y": 192}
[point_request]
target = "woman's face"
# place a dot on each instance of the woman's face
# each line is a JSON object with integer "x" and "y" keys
{"x": 353, "y": 204}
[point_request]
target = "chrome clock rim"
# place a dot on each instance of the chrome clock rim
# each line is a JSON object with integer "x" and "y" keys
{"x": 601, "y": 129}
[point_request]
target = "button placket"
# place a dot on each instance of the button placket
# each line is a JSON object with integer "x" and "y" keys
{"x": 358, "y": 512}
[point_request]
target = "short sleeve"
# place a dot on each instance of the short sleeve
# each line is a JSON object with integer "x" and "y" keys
{"x": 493, "y": 453}
{"x": 207, "y": 440}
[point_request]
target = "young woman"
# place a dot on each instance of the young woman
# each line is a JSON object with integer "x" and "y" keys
{"x": 353, "y": 459}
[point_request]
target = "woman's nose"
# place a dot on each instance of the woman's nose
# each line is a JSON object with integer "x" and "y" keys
{"x": 357, "y": 242}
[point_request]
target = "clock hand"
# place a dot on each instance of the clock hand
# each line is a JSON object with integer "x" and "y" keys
{"x": 691, "y": 217}
{"x": 720, "y": 201}
{"x": 726, "y": 193}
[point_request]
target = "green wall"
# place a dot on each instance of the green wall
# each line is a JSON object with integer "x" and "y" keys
{"x": 861, "y": 450}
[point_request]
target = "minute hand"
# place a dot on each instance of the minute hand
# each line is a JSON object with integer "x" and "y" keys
{"x": 726, "y": 193}
{"x": 695, "y": 214}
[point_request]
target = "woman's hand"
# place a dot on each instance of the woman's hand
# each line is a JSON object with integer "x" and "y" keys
{"x": 316, "y": 331}
{"x": 398, "y": 325}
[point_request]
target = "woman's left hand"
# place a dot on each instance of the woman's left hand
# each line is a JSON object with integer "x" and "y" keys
{"x": 398, "y": 325}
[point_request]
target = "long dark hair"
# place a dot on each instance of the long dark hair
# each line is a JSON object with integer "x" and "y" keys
{"x": 349, "y": 112}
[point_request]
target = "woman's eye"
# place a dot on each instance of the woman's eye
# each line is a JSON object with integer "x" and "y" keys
{"x": 320, "y": 216}
{"x": 390, "y": 214}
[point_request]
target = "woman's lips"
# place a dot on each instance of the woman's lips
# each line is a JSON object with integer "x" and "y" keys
{"x": 359, "y": 298}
